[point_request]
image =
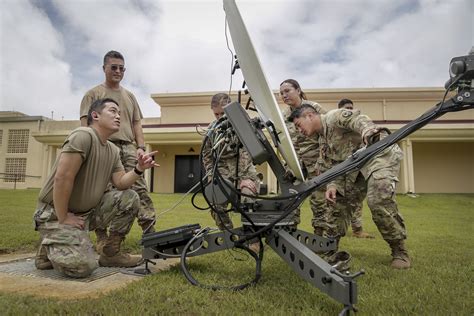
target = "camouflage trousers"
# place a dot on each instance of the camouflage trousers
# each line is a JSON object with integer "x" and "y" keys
{"x": 128, "y": 156}
{"x": 319, "y": 208}
{"x": 318, "y": 203}
{"x": 69, "y": 248}
{"x": 356, "y": 220}
{"x": 380, "y": 191}
{"x": 337, "y": 217}
{"x": 222, "y": 217}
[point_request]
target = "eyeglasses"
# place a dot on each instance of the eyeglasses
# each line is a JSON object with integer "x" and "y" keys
{"x": 117, "y": 67}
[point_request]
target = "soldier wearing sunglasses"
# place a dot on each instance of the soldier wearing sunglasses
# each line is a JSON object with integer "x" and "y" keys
{"x": 129, "y": 139}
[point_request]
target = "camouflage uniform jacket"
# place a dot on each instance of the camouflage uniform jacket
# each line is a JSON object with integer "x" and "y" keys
{"x": 228, "y": 159}
{"x": 342, "y": 135}
{"x": 307, "y": 148}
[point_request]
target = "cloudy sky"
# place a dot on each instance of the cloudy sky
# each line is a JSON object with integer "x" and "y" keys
{"x": 52, "y": 50}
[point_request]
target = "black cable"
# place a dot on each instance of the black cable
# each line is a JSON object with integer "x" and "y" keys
{"x": 276, "y": 198}
{"x": 238, "y": 193}
{"x": 216, "y": 158}
{"x": 184, "y": 266}
{"x": 194, "y": 203}
{"x": 201, "y": 183}
{"x": 219, "y": 179}
{"x": 207, "y": 139}
{"x": 231, "y": 53}
{"x": 237, "y": 162}
{"x": 287, "y": 211}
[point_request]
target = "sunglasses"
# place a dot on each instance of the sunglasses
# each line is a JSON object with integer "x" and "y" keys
{"x": 117, "y": 67}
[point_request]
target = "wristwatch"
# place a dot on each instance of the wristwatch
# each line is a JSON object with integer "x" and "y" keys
{"x": 142, "y": 147}
{"x": 137, "y": 172}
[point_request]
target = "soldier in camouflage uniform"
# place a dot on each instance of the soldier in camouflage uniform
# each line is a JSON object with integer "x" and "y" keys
{"x": 129, "y": 139}
{"x": 72, "y": 201}
{"x": 356, "y": 220}
{"x": 307, "y": 149}
{"x": 380, "y": 173}
{"x": 246, "y": 179}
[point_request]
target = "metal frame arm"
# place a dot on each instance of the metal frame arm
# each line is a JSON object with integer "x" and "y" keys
{"x": 463, "y": 100}
{"x": 314, "y": 269}
{"x": 209, "y": 243}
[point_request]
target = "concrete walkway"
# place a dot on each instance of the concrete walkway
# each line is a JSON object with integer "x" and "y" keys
{"x": 18, "y": 275}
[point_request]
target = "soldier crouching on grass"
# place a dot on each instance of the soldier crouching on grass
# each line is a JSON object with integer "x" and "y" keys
{"x": 380, "y": 173}
{"x": 73, "y": 201}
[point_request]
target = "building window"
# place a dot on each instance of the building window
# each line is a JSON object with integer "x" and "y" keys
{"x": 15, "y": 169}
{"x": 1, "y": 137}
{"x": 18, "y": 141}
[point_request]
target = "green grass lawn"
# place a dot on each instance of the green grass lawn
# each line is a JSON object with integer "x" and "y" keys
{"x": 440, "y": 241}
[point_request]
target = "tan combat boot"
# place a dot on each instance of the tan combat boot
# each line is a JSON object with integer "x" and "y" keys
{"x": 41, "y": 259}
{"x": 112, "y": 257}
{"x": 340, "y": 260}
{"x": 358, "y": 232}
{"x": 101, "y": 235}
{"x": 400, "y": 258}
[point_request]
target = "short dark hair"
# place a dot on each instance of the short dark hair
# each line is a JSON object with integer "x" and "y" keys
{"x": 343, "y": 102}
{"x": 113, "y": 54}
{"x": 220, "y": 99}
{"x": 295, "y": 85}
{"x": 98, "y": 106}
{"x": 299, "y": 111}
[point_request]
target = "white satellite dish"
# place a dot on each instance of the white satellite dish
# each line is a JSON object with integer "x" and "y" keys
{"x": 257, "y": 83}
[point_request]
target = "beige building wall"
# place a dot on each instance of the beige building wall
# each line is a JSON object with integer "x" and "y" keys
{"x": 441, "y": 150}
{"x": 391, "y": 107}
{"x": 443, "y": 167}
{"x": 21, "y": 156}
{"x": 164, "y": 176}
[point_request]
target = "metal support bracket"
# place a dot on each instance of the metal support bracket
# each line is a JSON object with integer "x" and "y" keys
{"x": 313, "y": 268}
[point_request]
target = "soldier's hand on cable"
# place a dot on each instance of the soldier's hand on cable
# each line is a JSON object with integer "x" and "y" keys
{"x": 331, "y": 195}
{"x": 147, "y": 161}
{"x": 249, "y": 184}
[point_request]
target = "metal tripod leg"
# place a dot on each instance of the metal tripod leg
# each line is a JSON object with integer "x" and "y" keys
{"x": 210, "y": 243}
{"x": 314, "y": 269}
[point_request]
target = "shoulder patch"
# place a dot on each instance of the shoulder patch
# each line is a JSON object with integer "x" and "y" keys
{"x": 346, "y": 113}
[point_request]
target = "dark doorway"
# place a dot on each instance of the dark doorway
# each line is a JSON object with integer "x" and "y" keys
{"x": 186, "y": 173}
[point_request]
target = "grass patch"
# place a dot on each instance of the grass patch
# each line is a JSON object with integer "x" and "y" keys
{"x": 440, "y": 239}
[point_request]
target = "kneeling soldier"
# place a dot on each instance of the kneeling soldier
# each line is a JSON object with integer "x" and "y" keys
{"x": 73, "y": 202}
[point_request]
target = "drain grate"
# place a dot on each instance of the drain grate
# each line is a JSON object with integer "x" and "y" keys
{"x": 26, "y": 267}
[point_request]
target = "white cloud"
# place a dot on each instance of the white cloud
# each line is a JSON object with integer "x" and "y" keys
{"x": 34, "y": 77}
{"x": 342, "y": 44}
{"x": 50, "y": 57}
